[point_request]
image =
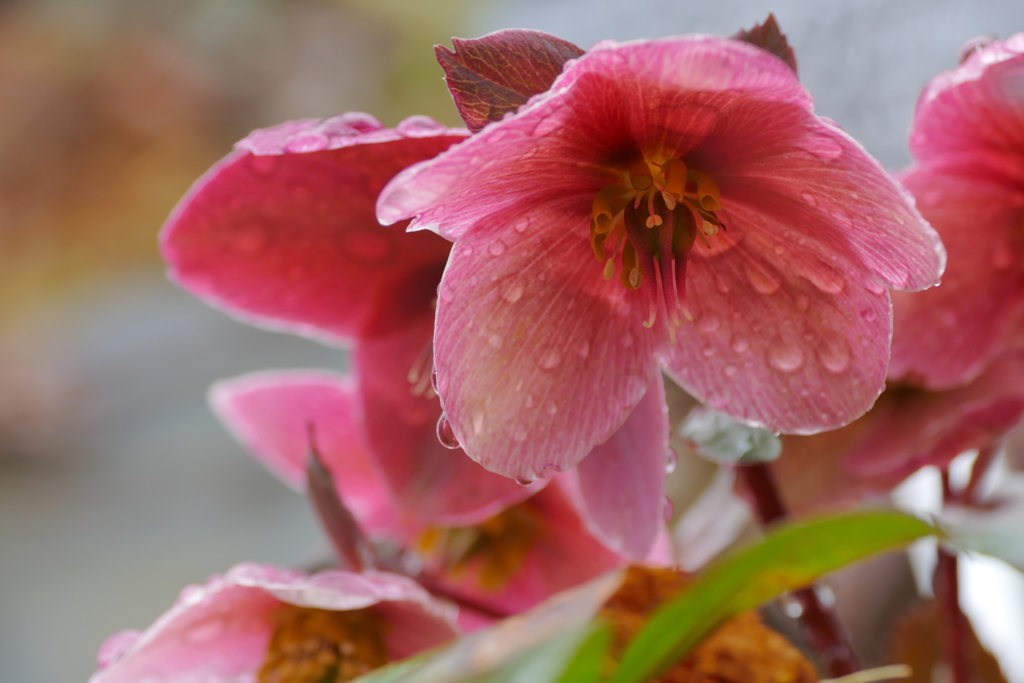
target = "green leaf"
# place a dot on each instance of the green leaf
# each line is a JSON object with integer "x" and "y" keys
{"x": 587, "y": 663}
{"x": 789, "y": 557}
{"x": 537, "y": 647}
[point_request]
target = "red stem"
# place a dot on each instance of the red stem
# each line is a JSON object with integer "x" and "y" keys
{"x": 947, "y": 592}
{"x": 821, "y": 624}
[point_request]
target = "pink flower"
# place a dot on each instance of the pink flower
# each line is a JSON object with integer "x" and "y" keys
{"x": 260, "y": 619}
{"x": 283, "y": 233}
{"x": 907, "y": 429}
{"x": 968, "y": 138}
{"x": 506, "y": 561}
{"x": 696, "y": 172}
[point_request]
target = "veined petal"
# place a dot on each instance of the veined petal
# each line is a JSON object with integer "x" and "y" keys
{"x": 615, "y": 98}
{"x": 538, "y": 358}
{"x": 977, "y": 107}
{"x": 947, "y": 336}
{"x": 400, "y": 414}
{"x": 220, "y": 632}
{"x": 287, "y": 237}
{"x": 787, "y": 341}
{"x": 272, "y": 414}
{"x": 622, "y": 481}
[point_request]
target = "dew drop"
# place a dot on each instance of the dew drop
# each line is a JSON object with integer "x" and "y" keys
{"x": 519, "y": 434}
{"x": 524, "y": 481}
{"x": 251, "y": 239}
{"x": 478, "y": 422}
{"x": 192, "y": 595}
{"x": 709, "y": 323}
{"x": 445, "y": 433}
{"x": 823, "y": 147}
{"x": 809, "y": 198}
{"x": 529, "y": 401}
{"x": 627, "y": 340}
{"x": 740, "y": 344}
{"x": 550, "y": 359}
{"x": 671, "y": 461}
{"x": 876, "y": 288}
{"x": 823, "y": 277}
{"x": 721, "y": 284}
{"x": 466, "y": 249}
{"x": 708, "y": 351}
{"x": 521, "y": 225}
{"x": 519, "y": 385}
{"x": 730, "y": 370}
{"x": 803, "y": 302}
{"x": 762, "y": 281}
{"x": 869, "y": 315}
{"x": 785, "y": 357}
{"x": 497, "y": 248}
{"x": 419, "y": 126}
{"x": 546, "y": 126}
{"x": 834, "y": 355}
{"x": 307, "y": 142}
{"x": 514, "y": 292}
{"x": 779, "y": 250}
{"x": 584, "y": 349}
{"x": 495, "y": 341}
{"x": 551, "y": 408}
{"x": 205, "y": 631}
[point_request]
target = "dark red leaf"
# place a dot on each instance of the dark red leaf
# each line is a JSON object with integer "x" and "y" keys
{"x": 491, "y": 76}
{"x": 769, "y": 37}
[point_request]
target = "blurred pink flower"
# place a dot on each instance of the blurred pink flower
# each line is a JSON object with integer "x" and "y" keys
{"x": 260, "y": 618}
{"x": 283, "y": 233}
{"x": 696, "y": 172}
{"x": 968, "y": 139}
{"x": 506, "y": 560}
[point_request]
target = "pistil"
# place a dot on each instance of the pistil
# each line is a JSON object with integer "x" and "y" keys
{"x": 649, "y": 224}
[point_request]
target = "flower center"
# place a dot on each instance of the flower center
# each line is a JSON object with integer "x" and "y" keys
{"x": 498, "y": 546}
{"x": 323, "y": 646}
{"x": 648, "y": 224}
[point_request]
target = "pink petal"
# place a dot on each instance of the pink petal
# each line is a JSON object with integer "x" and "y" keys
{"x": 436, "y": 485}
{"x": 538, "y": 358}
{"x": 615, "y": 97}
{"x": 975, "y": 108}
{"x": 788, "y": 341}
{"x": 565, "y": 554}
{"x": 270, "y": 414}
{"x": 219, "y": 632}
{"x": 622, "y": 481}
{"x": 948, "y": 335}
{"x": 289, "y": 239}
{"x": 916, "y": 428}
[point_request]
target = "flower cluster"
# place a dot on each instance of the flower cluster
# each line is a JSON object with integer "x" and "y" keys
{"x": 514, "y": 296}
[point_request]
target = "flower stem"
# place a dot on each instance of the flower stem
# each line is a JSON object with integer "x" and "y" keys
{"x": 947, "y": 592}
{"x": 821, "y": 624}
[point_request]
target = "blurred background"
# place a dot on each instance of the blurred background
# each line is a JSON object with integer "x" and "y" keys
{"x": 117, "y": 486}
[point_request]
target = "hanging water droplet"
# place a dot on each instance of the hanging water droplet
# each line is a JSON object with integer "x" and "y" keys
{"x": 445, "y": 433}
{"x": 785, "y": 357}
{"x": 671, "y": 460}
{"x": 524, "y": 481}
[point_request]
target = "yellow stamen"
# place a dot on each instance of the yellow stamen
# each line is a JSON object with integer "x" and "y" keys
{"x": 315, "y": 645}
{"x": 708, "y": 195}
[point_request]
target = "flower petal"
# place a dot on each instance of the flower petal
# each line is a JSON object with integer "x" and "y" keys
{"x": 538, "y": 358}
{"x": 948, "y": 335}
{"x": 436, "y": 485}
{"x": 271, "y": 413}
{"x": 622, "y": 481}
{"x": 219, "y": 632}
{"x": 288, "y": 239}
{"x": 792, "y": 343}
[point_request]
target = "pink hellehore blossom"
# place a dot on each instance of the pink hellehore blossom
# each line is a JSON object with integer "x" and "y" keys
{"x": 968, "y": 139}
{"x": 256, "y": 622}
{"x": 282, "y": 233}
{"x": 696, "y": 172}
{"x": 506, "y": 561}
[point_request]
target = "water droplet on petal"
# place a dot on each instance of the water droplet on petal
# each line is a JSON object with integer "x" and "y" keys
{"x": 779, "y": 250}
{"x": 497, "y": 248}
{"x": 524, "y": 481}
{"x": 519, "y": 434}
{"x": 495, "y": 341}
{"x": 809, "y": 198}
{"x": 551, "y": 408}
{"x": 708, "y": 351}
{"x": 627, "y": 340}
{"x": 445, "y": 433}
{"x": 762, "y": 281}
{"x": 825, "y": 278}
{"x": 869, "y": 315}
{"x": 307, "y": 142}
{"x": 823, "y": 147}
{"x": 251, "y": 239}
{"x": 834, "y": 354}
{"x": 205, "y": 631}
{"x": 876, "y": 288}
{"x": 529, "y": 401}
{"x": 550, "y": 359}
{"x": 419, "y": 126}
{"x": 584, "y": 349}
{"x": 466, "y": 249}
{"x": 785, "y": 357}
{"x": 671, "y": 461}
{"x": 803, "y": 302}
{"x": 519, "y": 385}
{"x": 709, "y": 323}
{"x": 730, "y": 370}
{"x": 740, "y": 344}
{"x": 192, "y": 595}
{"x": 521, "y": 225}
{"x": 546, "y": 126}
{"x": 478, "y": 422}
{"x": 514, "y": 292}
